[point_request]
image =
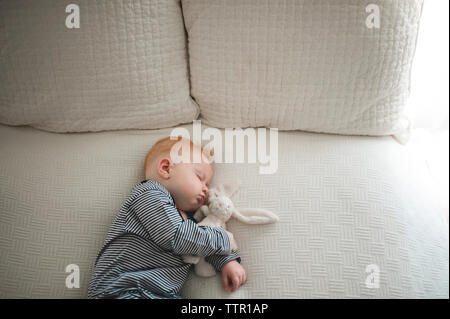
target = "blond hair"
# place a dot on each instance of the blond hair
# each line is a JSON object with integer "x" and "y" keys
{"x": 162, "y": 148}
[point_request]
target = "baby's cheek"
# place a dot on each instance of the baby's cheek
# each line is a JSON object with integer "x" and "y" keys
{"x": 195, "y": 186}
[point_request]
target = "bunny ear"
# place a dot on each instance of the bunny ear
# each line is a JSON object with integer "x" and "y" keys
{"x": 208, "y": 151}
{"x": 255, "y": 216}
{"x": 229, "y": 189}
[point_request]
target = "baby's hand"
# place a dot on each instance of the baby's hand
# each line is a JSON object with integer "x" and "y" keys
{"x": 233, "y": 276}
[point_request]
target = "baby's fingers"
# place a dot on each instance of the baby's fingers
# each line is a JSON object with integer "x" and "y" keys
{"x": 225, "y": 282}
{"x": 243, "y": 278}
{"x": 236, "y": 283}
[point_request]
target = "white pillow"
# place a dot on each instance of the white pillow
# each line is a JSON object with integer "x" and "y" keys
{"x": 308, "y": 65}
{"x": 125, "y": 67}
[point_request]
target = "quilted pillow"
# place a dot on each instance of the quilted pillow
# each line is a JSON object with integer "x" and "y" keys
{"x": 124, "y": 67}
{"x": 316, "y": 65}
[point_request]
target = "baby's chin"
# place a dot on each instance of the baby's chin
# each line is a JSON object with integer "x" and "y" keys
{"x": 191, "y": 207}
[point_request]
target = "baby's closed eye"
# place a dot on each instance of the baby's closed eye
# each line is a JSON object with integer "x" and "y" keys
{"x": 200, "y": 175}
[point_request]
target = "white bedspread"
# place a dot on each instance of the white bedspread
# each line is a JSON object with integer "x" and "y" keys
{"x": 345, "y": 202}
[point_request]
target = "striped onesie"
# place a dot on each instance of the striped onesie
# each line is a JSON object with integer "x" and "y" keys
{"x": 142, "y": 253}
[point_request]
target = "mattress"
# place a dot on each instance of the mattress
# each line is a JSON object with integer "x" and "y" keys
{"x": 348, "y": 206}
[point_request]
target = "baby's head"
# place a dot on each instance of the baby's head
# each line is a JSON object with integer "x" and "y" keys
{"x": 188, "y": 180}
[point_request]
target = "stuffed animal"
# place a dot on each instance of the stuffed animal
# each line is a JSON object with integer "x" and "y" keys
{"x": 219, "y": 210}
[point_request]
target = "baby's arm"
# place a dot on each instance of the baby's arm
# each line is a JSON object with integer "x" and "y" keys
{"x": 218, "y": 261}
{"x": 162, "y": 223}
{"x": 191, "y": 239}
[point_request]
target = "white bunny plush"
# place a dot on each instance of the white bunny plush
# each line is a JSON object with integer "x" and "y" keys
{"x": 219, "y": 210}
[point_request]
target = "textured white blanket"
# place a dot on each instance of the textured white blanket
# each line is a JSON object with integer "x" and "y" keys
{"x": 344, "y": 203}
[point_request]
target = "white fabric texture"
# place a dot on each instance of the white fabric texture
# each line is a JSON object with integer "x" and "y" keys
{"x": 125, "y": 67}
{"x": 310, "y": 65}
{"x": 344, "y": 202}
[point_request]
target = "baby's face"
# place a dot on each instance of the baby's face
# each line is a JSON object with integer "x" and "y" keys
{"x": 188, "y": 184}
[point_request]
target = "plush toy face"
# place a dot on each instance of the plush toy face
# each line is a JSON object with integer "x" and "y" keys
{"x": 220, "y": 205}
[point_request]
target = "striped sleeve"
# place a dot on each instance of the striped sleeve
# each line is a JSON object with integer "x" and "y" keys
{"x": 164, "y": 225}
{"x": 218, "y": 261}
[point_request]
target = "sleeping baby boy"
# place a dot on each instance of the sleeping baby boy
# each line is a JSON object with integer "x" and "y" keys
{"x": 142, "y": 253}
